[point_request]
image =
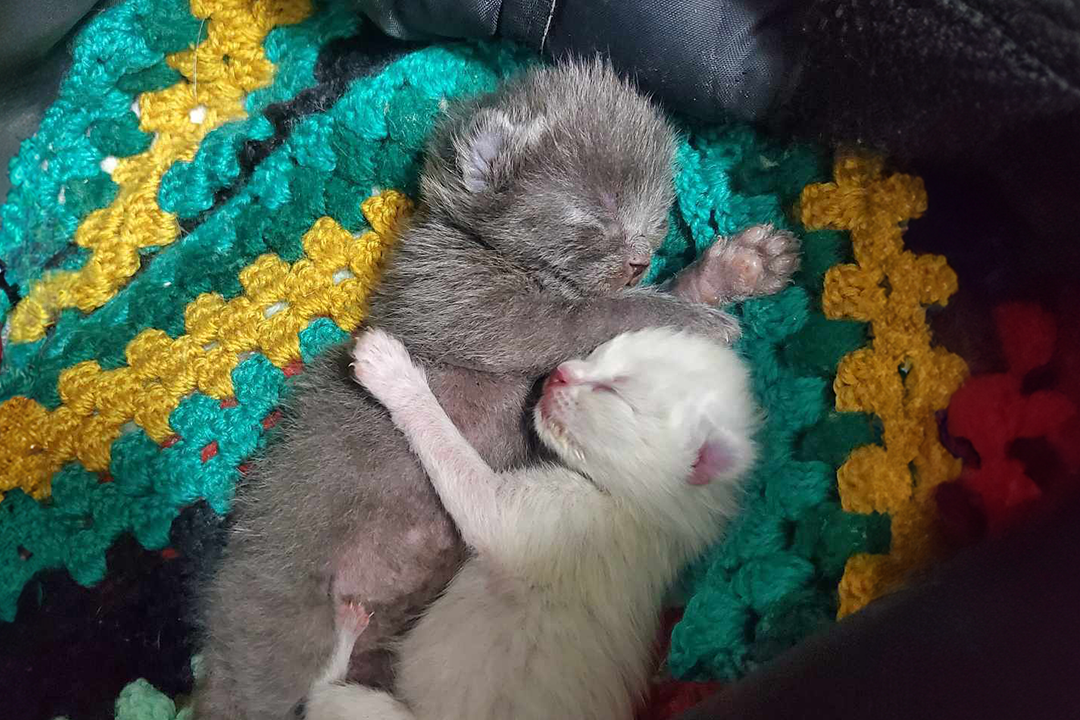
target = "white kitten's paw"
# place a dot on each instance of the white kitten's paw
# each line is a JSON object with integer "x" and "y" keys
{"x": 383, "y": 366}
{"x": 352, "y": 617}
{"x": 758, "y": 261}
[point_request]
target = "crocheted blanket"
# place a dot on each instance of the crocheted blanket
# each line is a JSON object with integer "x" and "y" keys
{"x": 196, "y": 218}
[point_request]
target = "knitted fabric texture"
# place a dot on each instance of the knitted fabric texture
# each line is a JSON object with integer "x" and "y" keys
{"x": 232, "y": 64}
{"x": 204, "y": 210}
{"x": 773, "y": 580}
{"x": 995, "y": 410}
{"x": 900, "y": 376}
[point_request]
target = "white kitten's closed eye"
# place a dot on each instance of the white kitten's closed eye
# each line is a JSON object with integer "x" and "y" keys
{"x": 617, "y": 388}
{"x": 610, "y": 385}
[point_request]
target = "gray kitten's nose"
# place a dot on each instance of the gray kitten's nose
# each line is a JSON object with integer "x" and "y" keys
{"x": 635, "y": 270}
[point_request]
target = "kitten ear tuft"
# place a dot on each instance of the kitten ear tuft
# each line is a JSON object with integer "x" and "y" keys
{"x": 488, "y": 151}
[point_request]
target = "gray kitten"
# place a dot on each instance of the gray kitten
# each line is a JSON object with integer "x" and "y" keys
{"x": 541, "y": 206}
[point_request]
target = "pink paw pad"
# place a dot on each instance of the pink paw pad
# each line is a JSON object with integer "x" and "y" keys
{"x": 763, "y": 259}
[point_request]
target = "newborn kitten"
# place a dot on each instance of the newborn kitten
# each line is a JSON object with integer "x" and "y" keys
{"x": 556, "y": 613}
{"x": 540, "y": 207}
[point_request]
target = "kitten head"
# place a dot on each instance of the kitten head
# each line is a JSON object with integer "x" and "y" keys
{"x": 567, "y": 170}
{"x": 662, "y": 418}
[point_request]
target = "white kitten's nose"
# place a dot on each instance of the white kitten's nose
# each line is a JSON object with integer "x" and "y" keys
{"x": 558, "y": 379}
{"x": 559, "y": 376}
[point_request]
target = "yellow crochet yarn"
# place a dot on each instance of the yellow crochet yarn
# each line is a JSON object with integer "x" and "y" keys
{"x": 279, "y": 300}
{"x": 900, "y": 377}
{"x": 219, "y": 74}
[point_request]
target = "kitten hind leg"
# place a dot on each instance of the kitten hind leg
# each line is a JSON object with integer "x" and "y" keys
{"x": 330, "y": 697}
{"x": 350, "y": 620}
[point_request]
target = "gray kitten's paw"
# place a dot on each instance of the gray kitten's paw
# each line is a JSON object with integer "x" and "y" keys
{"x": 383, "y": 366}
{"x": 758, "y": 261}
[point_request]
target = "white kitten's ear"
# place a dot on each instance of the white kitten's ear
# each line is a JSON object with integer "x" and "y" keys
{"x": 722, "y": 455}
{"x": 488, "y": 152}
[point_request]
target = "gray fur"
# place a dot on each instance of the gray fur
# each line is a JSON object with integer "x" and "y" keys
{"x": 533, "y": 202}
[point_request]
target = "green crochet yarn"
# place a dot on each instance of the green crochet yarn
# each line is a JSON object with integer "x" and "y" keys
{"x": 142, "y": 701}
{"x": 56, "y": 177}
{"x": 295, "y": 185}
{"x": 188, "y": 188}
{"x": 772, "y": 581}
{"x": 767, "y": 585}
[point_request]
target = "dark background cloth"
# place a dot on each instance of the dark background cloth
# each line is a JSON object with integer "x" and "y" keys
{"x": 987, "y": 89}
{"x": 701, "y": 57}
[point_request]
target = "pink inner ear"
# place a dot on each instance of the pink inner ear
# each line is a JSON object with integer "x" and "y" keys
{"x": 712, "y": 460}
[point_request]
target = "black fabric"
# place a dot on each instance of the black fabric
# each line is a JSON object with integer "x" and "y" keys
{"x": 938, "y": 77}
{"x": 30, "y": 29}
{"x": 527, "y": 21}
{"x": 707, "y": 58}
{"x": 427, "y": 19}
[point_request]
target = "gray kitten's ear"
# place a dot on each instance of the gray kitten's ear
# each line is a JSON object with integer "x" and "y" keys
{"x": 488, "y": 152}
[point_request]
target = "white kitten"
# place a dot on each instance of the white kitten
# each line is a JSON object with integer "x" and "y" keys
{"x": 556, "y": 614}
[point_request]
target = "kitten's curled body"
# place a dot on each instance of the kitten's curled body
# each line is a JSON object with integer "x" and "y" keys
{"x": 540, "y": 207}
{"x": 556, "y": 613}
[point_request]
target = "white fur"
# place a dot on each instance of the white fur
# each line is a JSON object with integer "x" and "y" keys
{"x": 353, "y": 702}
{"x": 556, "y": 614}
{"x": 351, "y": 620}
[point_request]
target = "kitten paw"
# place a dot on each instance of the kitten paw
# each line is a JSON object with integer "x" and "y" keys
{"x": 352, "y": 617}
{"x": 758, "y": 261}
{"x": 383, "y": 366}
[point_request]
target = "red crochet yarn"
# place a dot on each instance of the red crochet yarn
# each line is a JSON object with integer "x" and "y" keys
{"x": 668, "y": 698}
{"x": 993, "y": 411}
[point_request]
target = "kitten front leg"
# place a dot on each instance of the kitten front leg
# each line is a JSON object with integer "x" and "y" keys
{"x": 467, "y": 486}
{"x": 758, "y": 261}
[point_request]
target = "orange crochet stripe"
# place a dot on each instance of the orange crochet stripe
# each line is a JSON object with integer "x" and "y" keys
{"x": 900, "y": 376}
{"x": 218, "y": 75}
{"x": 279, "y": 300}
